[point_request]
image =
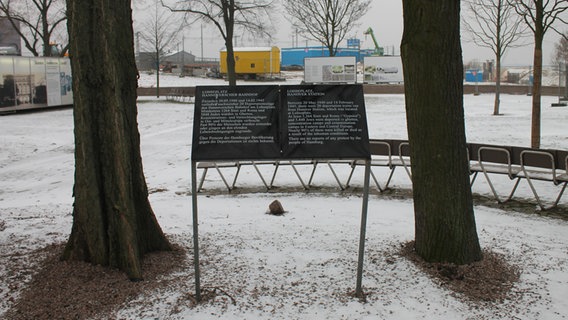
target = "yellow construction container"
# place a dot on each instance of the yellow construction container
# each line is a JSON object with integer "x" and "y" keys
{"x": 253, "y": 62}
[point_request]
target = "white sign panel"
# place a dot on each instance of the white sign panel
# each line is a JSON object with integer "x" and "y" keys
{"x": 65, "y": 81}
{"x": 34, "y": 82}
{"x": 53, "y": 82}
{"x": 330, "y": 70}
{"x": 383, "y": 69}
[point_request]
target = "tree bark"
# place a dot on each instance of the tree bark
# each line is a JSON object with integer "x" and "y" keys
{"x": 45, "y": 36}
{"x": 537, "y": 73}
{"x": 496, "y": 105}
{"x": 229, "y": 20}
{"x": 445, "y": 228}
{"x": 231, "y": 64}
{"x": 113, "y": 222}
{"x": 498, "y": 56}
{"x": 157, "y": 58}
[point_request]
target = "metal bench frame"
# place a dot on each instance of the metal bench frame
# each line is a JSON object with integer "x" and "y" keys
{"x": 206, "y": 165}
{"x": 549, "y": 172}
{"x": 516, "y": 163}
{"x": 488, "y": 162}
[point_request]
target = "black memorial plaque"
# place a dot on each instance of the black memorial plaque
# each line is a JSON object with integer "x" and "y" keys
{"x": 280, "y": 122}
{"x": 324, "y": 121}
{"x": 236, "y": 123}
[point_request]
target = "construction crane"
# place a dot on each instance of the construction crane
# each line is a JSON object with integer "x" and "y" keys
{"x": 379, "y": 51}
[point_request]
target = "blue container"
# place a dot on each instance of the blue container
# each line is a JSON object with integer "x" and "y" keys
{"x": 295, "y": 56}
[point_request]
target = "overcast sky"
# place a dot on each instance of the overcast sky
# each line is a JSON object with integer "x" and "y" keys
{"x": 384, "y": 17}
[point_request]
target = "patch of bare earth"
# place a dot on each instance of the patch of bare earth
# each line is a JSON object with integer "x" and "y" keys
{"x": 488, "y": 280}
{"x": 79, "y": 290}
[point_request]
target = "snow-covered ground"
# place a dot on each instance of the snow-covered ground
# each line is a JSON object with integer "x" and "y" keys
{"x": 303, "y": 264}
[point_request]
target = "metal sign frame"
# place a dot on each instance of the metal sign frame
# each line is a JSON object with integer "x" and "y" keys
{"x": 287, "y": 152}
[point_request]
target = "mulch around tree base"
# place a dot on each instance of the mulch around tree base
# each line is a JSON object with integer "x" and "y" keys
{"x": 488, "y": 280}
{"x": 79, "y": 290}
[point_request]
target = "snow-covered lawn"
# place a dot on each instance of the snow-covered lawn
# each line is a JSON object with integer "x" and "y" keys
{"x": 303, "y": 264}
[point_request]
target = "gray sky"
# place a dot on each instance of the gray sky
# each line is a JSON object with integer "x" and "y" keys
{"x": 384, "y": 17}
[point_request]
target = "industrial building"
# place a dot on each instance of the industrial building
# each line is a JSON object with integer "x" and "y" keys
{"x": 294, "y": 57}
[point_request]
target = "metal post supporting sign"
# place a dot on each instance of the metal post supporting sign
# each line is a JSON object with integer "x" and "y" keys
{"x": 195, "y": 230}
{"x": 362, "y": 236}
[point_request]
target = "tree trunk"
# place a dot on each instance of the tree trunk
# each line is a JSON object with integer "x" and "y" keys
{"x": 536, "y": 98}
{"x": 566, "y": 78}
{"x": 445, "y": 228}
{"x": 157, "y": 58}
{"x": 229, "y": 20}
{"x": 498, "y": 56}
{"x": 231, "y": 72}
{"x": 497, "y": 86}
{"x": 45, "y": 36}
{"x": 537, "y": 74}
{"x": 113, "y": 222}
{"x": 331, "y": 47}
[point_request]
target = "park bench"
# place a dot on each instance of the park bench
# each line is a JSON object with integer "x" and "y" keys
{"x": 218, "y": 166}
{"x": 491, "y": 159}
{"x": 382, "y": 155}
{"x": 544, "y": 165}
{"x": 515, "y": 163}
{"x": 178, "y": 95}
{"x": 292, "y": 164}
{"x": 330, "y": 164}
{"x": 519, "y": 163}
{"x": 237, "y": 165}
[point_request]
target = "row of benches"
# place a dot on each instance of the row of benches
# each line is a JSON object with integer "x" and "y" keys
{"x": 516, "y": 163}
{"x": 179, "y": 95}
{"x": 519, "y": 163}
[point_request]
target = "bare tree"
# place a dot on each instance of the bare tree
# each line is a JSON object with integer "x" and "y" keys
{"x": 9, "y": 37}
{"x": 431, "y": 53}
{"x": 40, "y": 22}
{"x": 494, "y": 24}
{"x": 560, "y": 54}
{"x": 560, "y": 57}
{"x": 226, "y": 16}
{"x": 326, "y": 21}
{"x": 113, "y": 222}
{"x": 158, "y": 33}
{"x": 540, "y": 16}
